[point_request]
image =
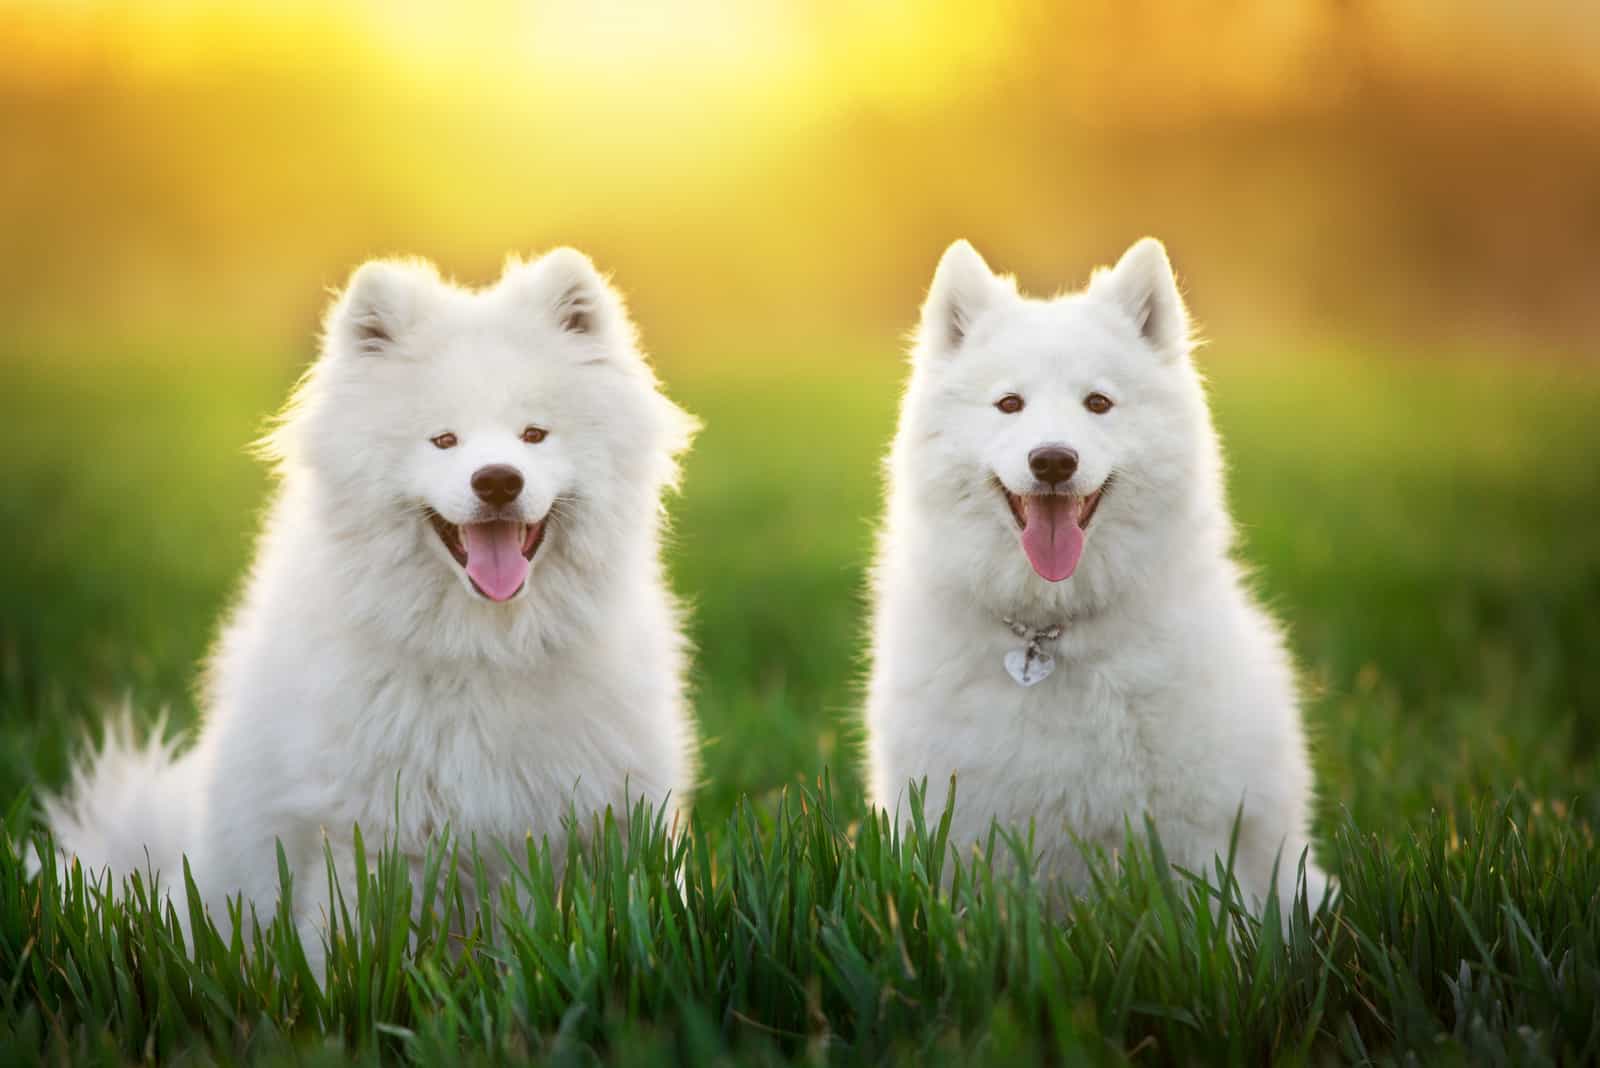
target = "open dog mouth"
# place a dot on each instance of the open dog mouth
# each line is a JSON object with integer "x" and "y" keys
{"x": 495, "y": 554}
{"x": 1051, "y": 527}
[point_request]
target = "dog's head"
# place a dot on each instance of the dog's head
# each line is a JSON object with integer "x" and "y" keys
{"x": 485, "y": 435}
{"x": 1056, "y": 424}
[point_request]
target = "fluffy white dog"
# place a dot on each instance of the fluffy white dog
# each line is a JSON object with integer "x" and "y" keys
{"x": 1059, "y": 623}
{"x": 457, "y": 615}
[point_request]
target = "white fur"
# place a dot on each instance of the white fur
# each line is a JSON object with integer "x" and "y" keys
{"x": 359, "y": 660}
{"x": 1173, "y": 695}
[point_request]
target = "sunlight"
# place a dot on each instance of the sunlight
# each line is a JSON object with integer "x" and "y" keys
{"x": 698, "y": 38}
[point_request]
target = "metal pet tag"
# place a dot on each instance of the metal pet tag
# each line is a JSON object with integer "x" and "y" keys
{"x": 1029, "y": 666}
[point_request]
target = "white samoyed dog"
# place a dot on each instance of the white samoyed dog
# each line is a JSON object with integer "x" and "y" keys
{"x": 1058, "y": 621}
{"x": 457, "y": 615}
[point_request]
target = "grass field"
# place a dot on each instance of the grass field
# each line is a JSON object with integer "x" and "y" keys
{"x": 1427, "y": 527}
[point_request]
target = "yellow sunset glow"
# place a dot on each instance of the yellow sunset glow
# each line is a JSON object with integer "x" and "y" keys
{"x": 770, "y": 150}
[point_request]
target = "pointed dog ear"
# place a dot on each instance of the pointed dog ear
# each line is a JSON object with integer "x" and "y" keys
{"x": 963, "y": 289}
{"x": 1143, "y": 287}
{"x": 379, "y": 306}
{"x": 563, "y": 286}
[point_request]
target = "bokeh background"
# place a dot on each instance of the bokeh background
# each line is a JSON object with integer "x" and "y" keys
{"x": 1386, "y": 215}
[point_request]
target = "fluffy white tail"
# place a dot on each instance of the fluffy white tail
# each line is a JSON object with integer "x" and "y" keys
{"x": 129, "y": 806}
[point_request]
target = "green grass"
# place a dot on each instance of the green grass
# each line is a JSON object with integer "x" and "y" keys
{"x": 1424, "y": 525}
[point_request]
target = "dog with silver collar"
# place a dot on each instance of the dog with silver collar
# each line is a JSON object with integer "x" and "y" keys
{"x": 1059, "y": 622}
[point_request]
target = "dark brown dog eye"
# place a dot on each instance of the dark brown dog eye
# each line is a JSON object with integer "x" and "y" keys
{"x": 533, "y": 435}
{"x": 1098, "y": 403}
{"x": 1011, "y": 404}
{"x": 444, "y": 441}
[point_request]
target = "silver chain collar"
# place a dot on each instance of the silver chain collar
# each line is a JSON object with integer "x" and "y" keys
{"x": 1031, "y": 664}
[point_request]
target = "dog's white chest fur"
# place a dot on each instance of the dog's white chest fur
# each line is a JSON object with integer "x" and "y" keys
{"x": 1070, "y": 753}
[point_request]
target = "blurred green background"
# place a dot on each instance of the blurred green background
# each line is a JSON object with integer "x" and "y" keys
{"x": 1386, "y": 215}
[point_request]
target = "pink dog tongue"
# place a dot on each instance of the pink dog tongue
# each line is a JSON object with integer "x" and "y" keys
{"x": 494, "y": 557}
{"x": 1050, "y": 534}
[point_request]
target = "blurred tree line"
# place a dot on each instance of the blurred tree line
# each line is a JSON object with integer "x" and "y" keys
{"x": 1393, "y": 170}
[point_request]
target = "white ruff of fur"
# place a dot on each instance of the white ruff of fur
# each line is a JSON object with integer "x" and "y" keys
{"x": 1172, "y": 694}
{"x": 361, "y": 679}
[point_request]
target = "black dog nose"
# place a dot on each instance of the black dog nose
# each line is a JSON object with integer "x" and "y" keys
{"x": 1053, "y": 463}
{"x": 497, "y": 483}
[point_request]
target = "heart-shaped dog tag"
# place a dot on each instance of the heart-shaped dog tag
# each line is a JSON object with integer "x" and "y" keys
{"x": 1029, "y": 668}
